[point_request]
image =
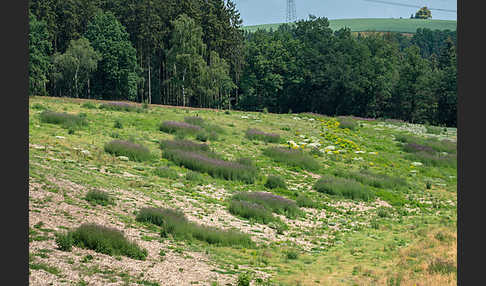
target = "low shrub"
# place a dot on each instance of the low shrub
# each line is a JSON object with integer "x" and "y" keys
{"x": 118, "y": 124}
{"x": 306, "y": 202}
{"x": 255, "y": 134}
{"x": 251, "y": 211}
{"x": 292, "y": 157}
{"x": 166, "y": 172}
{"x": 441, "y": 266}
{"x": 204, "y": 136}
{"x": 274, "y": 182}
{"x": 101, "y": 239}
{"x": 96, "y": 197}
{"x": 66, "y": 120}
{"x": 174, "y": 222}
{"x": 120, "y": 106}
{"x": 292, "y": 254}
{"x": 343, "y": 187}
{"x": 244, "y": 279}
{"x": 206, "y": 163}
{"x": 133, "y": 151}
{"x": 346, "y": 122}
{"x": 172, "y": 127}
{"x": 370, "y": 178}
{"x": 194, "y": 176}
{"x": 272, "y": 202}
{"x": 185, "y": 145}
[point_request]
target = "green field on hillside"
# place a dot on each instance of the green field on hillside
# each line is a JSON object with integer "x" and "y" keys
{"x": 378, "y": 25}
{"x": 132, "y": 194}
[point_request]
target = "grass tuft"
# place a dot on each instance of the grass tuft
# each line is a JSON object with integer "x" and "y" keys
{"x": 274, "y": 182}
{"x": 66, "y": 120}
{"x": 255, "y": 134}
{"x": 96, "y": 197}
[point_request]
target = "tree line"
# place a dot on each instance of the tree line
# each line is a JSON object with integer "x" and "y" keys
{"x": 194, "y": 53}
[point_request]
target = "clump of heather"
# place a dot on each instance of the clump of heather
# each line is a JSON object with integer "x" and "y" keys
{"x": 373, "y": 179}
{"x": 255, "y": 134}
{"x": 133, "y": 151}
{"x": 343, "y": 187}
{"x": 274, "y": 182}
{"x": 251, "y": 211}
{"x": 97, "y": 197}
{"x": 66, "y": 120}
{"x": 204, "y": 163}
{"x": 174, "y": 223}
{"x": 292, "y": 157}
{"x": 101, "y": 239}
{"x": 185, "y": 145}
{"x": 272, "y": 202}
{"x": 120, "y": 106}
{"x": 179, "y": 127}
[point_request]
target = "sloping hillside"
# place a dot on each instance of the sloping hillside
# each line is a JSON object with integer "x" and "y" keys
{"x": 278, "y": 199}
{"x": 378, "y": 25}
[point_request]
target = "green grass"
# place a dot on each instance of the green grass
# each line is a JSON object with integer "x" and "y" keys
{"x": 274, "y": 182}
{"x": 66, "y": 120}
{"x": 101, "y": 239}
{"x": 166, "y": 172}
{"x": 376, "y": 24}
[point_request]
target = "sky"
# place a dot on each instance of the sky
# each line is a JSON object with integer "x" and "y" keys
{"x": 254, "y": 12}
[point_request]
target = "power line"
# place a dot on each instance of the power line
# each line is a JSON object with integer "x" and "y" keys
{"x": 408, "y": 5}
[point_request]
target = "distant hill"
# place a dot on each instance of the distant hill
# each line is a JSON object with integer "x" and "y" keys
{"x": 377, "y": 24}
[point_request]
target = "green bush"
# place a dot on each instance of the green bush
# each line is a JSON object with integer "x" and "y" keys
{"x": 103, "y": 240}
{"x": 251, "y": 211}
{"x": 96, "y": 197}
{"x": 370, "y": 178}
{"x": 292, "y": 157}
{"x": 133, "y": 151}
{"x": 174, "y": 222}
{"x": 268, "y": 201}
{"x": 118, "y": 124}
{"x": 255, "y": 134}
{"x": 194, "y": 176}
{"x": 166, "y": 172}
{"x": 274, "y": 182}
{"x": 66, "y": 120}
{"x": 342, "y": 187}
{"x": 306, "y": 202}
{"x": 244, "y": 279}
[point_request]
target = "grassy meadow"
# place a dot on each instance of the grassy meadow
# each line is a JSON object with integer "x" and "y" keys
{"x": 376, "y": 25}
{"x": 126, "y": 199}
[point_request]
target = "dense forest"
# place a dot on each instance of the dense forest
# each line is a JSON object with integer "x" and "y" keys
{"x": 194, "y": 53}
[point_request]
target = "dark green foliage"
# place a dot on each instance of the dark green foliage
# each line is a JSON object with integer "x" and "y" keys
{"x": 101, "y": 239}
{"x": 346, "y": 122}
{"x": 66, "y": 120}
{"x": 255, "y": 134}
{"x": 118, "y": 124}
{"x": 166, "y": 172}
{"x": 39, "y": 51}
{"x": 97, "y": 197}
{"x": 65, "y": 242}
{"x": 39, "y": 106}
{"x": 292, "y": 157}
{"x": 174, "y": 222}
{"x": 133, "y": 151}
{"x": 343, "y": 187}
{"x": 117, "y": 74}
{"x": 292, "y": 255}
{"x": 274, "y": 182}
{"x": 205, "y": 135}
{"x": 393, "y": 199}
